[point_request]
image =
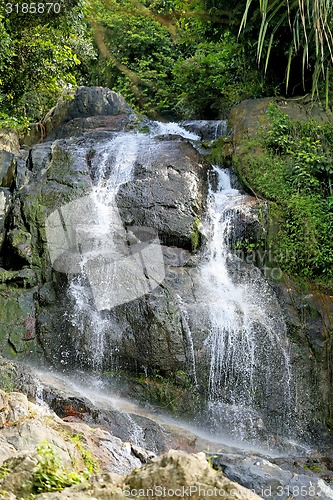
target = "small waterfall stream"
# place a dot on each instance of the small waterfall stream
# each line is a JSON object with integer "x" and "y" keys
{"x": 113, "y": 164}
{"x": 250, "y": 371}
{"x": 115, "y": 263}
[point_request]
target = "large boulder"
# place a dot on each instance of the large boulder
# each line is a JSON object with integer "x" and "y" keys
{"x": 167, "y": 195}
{"x": 24, "y": 427}
{"x": 168, "y": 192}
{"x": 247, "y": 116}
{"x": 87, "y": 109}
{"x": 177, "y": 474}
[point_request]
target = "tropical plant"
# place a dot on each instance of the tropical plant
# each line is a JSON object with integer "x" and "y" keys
{"x": 307, "y": 25}
{"x": 41, "y": 55}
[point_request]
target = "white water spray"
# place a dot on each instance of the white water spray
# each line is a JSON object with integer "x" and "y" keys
{"x": 248, "y": 346}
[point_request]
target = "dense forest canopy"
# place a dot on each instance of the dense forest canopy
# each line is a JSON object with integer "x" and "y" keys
{"x": 167, "y": 57}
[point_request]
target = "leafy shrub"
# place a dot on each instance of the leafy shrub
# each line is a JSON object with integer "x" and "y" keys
{"x": 291, "y": 164}
{"x": 50, "y": 474}
{"x": 215, "y": 77}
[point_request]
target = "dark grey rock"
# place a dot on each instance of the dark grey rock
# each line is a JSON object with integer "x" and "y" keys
{"x": 168, "y": 193}
{"x": 87, "y": 102}
{"x": 207, "y": 130}
{"x": 7, "y": 169}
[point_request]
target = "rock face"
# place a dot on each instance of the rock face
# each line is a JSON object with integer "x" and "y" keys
{"x": 308, "y": 310}
{"x": 51, "y": 315}
{"x": 89, "y": 108}
{"x": 167, "y": 194}
{"x": 39, "y": 451}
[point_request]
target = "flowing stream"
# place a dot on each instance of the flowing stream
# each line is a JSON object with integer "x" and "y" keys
{"x": 250, "y": 373}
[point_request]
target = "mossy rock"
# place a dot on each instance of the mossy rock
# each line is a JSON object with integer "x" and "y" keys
{"x": 18, "y": 324}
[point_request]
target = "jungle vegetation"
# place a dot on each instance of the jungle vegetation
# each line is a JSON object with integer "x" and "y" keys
{"x": 175, "y": 58}
{"x": 193, "y": 59}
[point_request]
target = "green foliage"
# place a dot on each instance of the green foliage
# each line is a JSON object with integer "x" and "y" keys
{"x": 89, "y": 461}
{"x": 195, "y": 236}
{"x": 215, "y": 77}
{"x": 20, "y": 123}
{"x": 165, "y": 57}
{"x": 306, "y": 237}
{"x": 40, "y": 56}
{"x": 291, "y": 164}
{"x": 169, "y": 57}
{"x": 174, "y": 394}
{"x": 137, "y": 54}
{"x": 50, "y": 474}
{"x": 4, "y": 471}
{"x": 306, "y": 28}
{"x": 306, "y": 148}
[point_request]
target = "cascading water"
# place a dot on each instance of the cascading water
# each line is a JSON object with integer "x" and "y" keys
{"x": 189, "y": 338}
{"x": 109, "y": 272}
{"x": 250, "y": 375}
{"x": 250, "y": 386}
{"x": 113, "y": 165}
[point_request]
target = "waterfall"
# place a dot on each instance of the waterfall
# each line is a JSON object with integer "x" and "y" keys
{"x": 250, "y": 372}
{"x": 100, "y": 233}
{"x": 246, "y": 351}
{"x": 108, "y": 264}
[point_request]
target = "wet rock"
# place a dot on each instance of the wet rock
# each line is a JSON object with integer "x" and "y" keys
{"x": 167, "y": 193}
{"x": 207, "y": 130}
{"x": 7, "y": 169}
{"x": 24, "y": 278}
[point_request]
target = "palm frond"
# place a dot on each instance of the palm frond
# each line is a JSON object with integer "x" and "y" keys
{"x": 310, "y": 23}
